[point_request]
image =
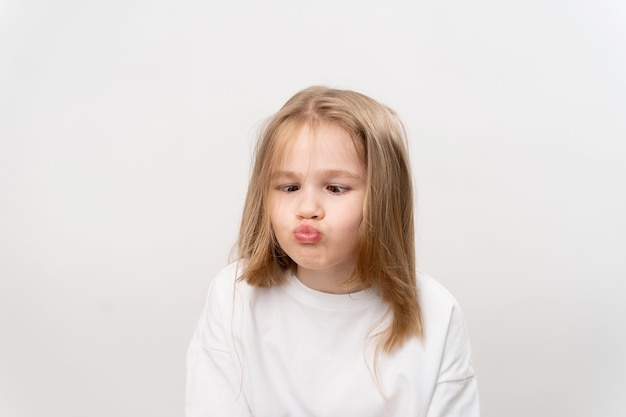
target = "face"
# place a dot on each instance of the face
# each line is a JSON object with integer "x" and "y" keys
{"x": 316, "y": 204}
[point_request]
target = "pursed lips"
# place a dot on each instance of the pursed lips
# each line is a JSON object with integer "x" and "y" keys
{"x": 306, "y": 233}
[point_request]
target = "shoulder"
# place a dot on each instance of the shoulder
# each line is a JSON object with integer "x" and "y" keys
{"x": 226, "y": 285}
{"x": 445, "y": 329}
{"x": 228, "y": 275}
{"x": 441, "y": 312}
{"x": 433, "y": 294}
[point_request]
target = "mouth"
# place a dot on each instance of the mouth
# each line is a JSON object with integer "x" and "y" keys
{"x": 307, "y": 234}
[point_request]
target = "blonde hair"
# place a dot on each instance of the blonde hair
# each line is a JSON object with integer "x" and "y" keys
{"x": 385, "y": 258}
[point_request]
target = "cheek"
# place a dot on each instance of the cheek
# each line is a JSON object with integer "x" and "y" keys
{"x": 352, "y": 217}
{"x": 275, "y": 210}
{"x": 271, "y": 206}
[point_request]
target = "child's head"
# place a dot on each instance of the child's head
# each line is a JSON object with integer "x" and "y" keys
{"x": 384, "y": 255}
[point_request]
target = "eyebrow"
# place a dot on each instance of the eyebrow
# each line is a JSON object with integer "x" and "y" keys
{"x": 332, "y": 173}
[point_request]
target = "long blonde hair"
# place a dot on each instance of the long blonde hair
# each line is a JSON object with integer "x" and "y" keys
{"x": 386, "y": 251}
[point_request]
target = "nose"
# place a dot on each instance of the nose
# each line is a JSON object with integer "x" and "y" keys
{"x": 309, "y": 206}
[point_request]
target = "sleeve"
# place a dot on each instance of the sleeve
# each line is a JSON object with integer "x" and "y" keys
{"x": 456, "y": 392}
{"x": 213, "y": 386}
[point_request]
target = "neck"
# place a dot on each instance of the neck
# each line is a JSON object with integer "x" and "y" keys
{"x": 333, "y": 281}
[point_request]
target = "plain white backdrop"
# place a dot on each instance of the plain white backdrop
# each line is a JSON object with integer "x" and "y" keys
{"x": 126, "y": 131}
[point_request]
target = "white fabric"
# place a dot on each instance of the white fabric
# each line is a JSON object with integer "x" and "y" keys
{"x": 293, "y": 351}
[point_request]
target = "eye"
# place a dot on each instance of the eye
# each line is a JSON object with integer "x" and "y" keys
{"x": 337, "y": 189}
{"x": 288, "y": 188}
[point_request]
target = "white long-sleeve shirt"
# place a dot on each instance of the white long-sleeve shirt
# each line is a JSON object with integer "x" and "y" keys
{"x": 293, "y": 351}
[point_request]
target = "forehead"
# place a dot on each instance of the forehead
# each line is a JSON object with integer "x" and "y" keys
{"x": 320, "y": 144}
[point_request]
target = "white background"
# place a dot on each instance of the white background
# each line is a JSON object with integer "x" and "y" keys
{"x": 126, "y": 134}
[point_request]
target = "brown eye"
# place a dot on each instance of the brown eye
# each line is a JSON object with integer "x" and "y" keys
{"x": 289, "y": 188}
{"x": 337, "y": 189}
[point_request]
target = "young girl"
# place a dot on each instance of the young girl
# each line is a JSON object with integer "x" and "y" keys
{"x": 324, "y": 314}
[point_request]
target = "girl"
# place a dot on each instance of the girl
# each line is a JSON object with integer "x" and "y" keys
{"x": 324, "y": 314}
